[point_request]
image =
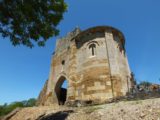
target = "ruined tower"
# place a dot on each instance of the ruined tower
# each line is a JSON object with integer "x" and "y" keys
{"x": 93, "y": 62}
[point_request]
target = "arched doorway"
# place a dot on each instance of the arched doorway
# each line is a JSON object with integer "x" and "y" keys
{"x": 61, "y": 90}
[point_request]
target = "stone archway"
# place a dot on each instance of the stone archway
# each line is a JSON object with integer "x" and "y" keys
{"x": 61, "y": 92}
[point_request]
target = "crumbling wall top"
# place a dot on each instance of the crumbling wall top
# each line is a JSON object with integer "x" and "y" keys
{"x": 64, "y": 42}
{"x": 99, "y": 31}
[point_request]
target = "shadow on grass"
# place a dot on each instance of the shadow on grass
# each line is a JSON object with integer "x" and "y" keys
{"x": 61, "y": 115}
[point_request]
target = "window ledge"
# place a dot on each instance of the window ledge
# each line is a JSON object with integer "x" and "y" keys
{"x": 92, "y": 56}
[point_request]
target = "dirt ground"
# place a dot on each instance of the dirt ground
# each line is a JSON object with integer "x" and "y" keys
{"x": 148, "y": 109}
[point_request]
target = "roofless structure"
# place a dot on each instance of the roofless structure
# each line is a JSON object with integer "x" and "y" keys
{"x": 93, "y": 62}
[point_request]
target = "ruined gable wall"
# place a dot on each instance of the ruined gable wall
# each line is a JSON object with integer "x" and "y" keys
{"x": 65, "y": 51}
{"x": 58, "y": 70}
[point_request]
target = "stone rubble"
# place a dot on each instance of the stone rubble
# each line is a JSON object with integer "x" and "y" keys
{"x": 148, "y": 109}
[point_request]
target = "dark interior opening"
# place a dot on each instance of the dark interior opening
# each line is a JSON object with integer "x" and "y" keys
{"x": 61, "y": 90}
{"x": 62, "y": 96}
{"x": 63, "y": 62}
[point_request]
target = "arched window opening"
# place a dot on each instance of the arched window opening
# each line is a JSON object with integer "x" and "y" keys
{"x": 61, "y": 90}
{"x": 63, "y": 64}
{"x": 93, "y": 48}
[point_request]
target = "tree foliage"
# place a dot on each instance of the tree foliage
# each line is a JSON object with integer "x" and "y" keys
{"x": 7, "y": 108}
{"x": 145, "y": 83}
{"x": 30, "y": 21}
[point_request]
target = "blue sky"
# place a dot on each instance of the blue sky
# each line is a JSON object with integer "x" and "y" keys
{"x": 23, "y": 71}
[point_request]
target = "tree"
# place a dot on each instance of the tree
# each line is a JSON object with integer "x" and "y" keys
{"x": 145, "y": 83}
{"x": 31, "y": 102}
{"x": 7, "y": 108}
{"x": 28, "y": 22}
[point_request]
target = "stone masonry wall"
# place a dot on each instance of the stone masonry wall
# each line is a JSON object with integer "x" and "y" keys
{"x": 94, "y": 63}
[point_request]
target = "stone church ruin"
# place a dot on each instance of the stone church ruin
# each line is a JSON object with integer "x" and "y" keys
{"x": 95, "y": 65}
